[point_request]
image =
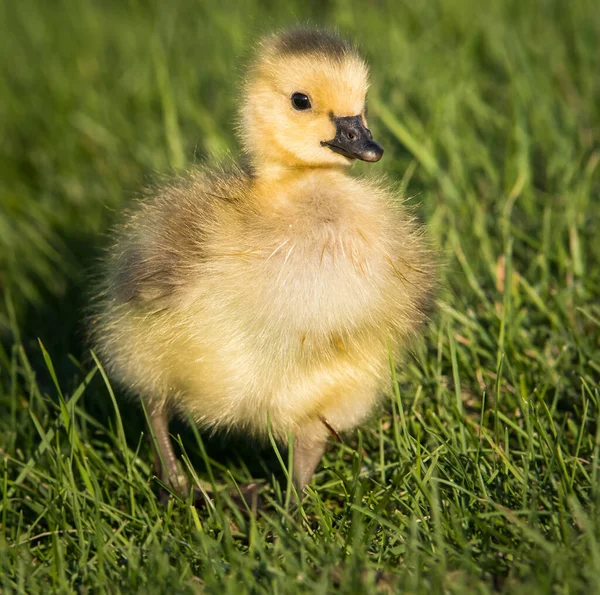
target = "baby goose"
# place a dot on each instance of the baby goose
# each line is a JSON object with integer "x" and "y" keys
{"x": 273, "y": 292}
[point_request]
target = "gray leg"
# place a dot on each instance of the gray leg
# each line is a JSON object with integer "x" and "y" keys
{"x": 169, "y": 471}
{"x": 165, "y": 461}
{"x": 308, "y": 450}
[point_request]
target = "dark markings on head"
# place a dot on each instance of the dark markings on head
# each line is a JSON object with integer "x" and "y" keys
{"x": 312, "y": 41}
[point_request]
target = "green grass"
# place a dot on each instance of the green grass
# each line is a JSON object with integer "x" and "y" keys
{"x": 482, "y": 473}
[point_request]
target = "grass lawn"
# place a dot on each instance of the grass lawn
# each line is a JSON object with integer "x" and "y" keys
{"x": 481, "y": 474}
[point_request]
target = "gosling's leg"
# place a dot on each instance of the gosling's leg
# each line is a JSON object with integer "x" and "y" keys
{"x": 308, "y": 451}
{"x": 166, "y": 464}
{"x": 169, "y": 471}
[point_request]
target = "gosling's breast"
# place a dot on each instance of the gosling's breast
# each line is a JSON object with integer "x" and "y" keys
{"x": 317, "y": 266}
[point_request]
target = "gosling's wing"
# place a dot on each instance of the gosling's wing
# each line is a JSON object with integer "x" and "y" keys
{"x": 144, "y": 271}
{"x": 163, "y": 242}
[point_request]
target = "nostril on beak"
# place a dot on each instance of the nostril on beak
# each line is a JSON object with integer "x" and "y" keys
{"x": 353, "y": 139}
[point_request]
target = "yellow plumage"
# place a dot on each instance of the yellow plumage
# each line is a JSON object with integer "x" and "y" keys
{"x": 275, "y": 291}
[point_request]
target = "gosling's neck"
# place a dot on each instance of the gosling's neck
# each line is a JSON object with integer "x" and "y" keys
{"x": 273, "y": 172}
{"x": 276, "y": 184}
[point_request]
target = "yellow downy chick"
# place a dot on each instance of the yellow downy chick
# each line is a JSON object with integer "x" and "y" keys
{"x": 274, "y": 291}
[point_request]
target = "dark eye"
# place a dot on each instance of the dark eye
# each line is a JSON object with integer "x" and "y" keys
{"x": 300, "y": 101}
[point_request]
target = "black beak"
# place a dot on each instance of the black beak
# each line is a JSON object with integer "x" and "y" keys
{"x": 353, "y": 140}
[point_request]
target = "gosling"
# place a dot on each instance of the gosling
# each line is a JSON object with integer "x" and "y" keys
{"x": 273, "y": 293}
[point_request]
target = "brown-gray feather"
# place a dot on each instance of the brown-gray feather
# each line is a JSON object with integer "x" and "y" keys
{"x": 159, "y": 241}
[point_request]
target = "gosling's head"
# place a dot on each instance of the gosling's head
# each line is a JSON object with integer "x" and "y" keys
{"x": 304, "y": 103}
